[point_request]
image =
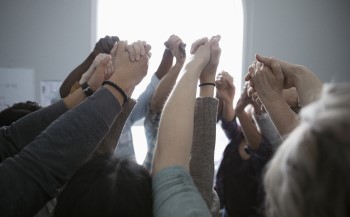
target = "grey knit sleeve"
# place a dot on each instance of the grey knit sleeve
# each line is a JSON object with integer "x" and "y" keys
{"x": 110, "y": 141}
{"x": 203, "y": 147}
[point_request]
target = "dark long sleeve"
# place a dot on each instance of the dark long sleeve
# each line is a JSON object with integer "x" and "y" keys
{"x": 34, "y": 176}
{"x": 231, "y": 128}
{"x": 15, "y": 137}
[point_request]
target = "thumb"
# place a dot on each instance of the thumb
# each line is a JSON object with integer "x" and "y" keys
{"x": 262, "y": 59}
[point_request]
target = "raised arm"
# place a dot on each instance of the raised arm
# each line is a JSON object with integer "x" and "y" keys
{"x": 175, "y": 137}
{"x": 167, "y": 82}
{"x": 307, "y": 84}
{"x": 226, "y": 91}
{"x": 269, "y": 83}
{"x": 176, "y": 124}
{"x": 104, "y": 45}
{"x": 204, "y": 135}
{"x": 175, "y": 47}
{"x": 40, "y": 170}
{"x": 249, "y": 128}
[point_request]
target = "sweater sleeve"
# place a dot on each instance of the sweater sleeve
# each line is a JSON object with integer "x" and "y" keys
{"x": 15, "y": 137}
{"x": 34, "y": 176}
{"x": 202, "y": 153}
{"x": 231, "y": 128}
{"x": 110, "y": 141}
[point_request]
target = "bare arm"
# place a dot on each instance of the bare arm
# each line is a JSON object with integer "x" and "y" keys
{"x": 168, "y": 81}
{"x": 269, "y": 83}
{"x": 176, "y": 131}
{"x": 308, "y": 85}
{"x": 249, "y": 128}
{"x": 226, "y": 91}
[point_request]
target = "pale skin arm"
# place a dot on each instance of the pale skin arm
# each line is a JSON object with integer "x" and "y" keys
{"x": 209, "y": 72}
{"x": 308, "y": 85}
{"x": 109, "y": 143}
{"x": 176, "y": 131}
{"x": 226, "y": 91}
{"x": 168, "y": 81}
{"x": 127, "y": 75}
{"x": 268, "y": 82}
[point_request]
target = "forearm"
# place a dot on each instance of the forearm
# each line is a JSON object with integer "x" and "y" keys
{"x": 164, "y": 88}
{"x": 251, "y": 134}
{"x": 176, "y": 131}
{"x": 228, "y": 112}
{"x": 307, "y": 84}
{"x": 75, "y": 75}
{"x": 284, "y": 119}
{"x": 165, "y": 64}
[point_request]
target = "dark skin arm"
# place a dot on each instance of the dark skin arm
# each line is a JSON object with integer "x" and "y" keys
{"x": 104, "y": 45}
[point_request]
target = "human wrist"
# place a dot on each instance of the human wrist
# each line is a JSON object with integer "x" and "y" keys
{"x": 118, "y": 88}
{"x": 272, "y": 102}
{"x": 195, "y": 66}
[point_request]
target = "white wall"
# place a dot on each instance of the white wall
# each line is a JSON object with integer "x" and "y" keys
{"x": 50, "y": 36}
{"x": 314, "y": 33}
{"x": 53, "y": 36}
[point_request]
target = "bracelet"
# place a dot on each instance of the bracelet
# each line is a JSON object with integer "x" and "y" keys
{"x": 117, "y": 88}
{"x": 204, "y": 84}
{"x": 87, "y": 89}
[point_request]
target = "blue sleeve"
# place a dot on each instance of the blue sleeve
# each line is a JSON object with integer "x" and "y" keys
{"x": 231, "y": 128}
{"x": 143, "y": 100}
{"x": 175, "y": 194}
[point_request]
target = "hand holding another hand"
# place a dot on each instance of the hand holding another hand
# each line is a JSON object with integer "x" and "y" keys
{"x": 225, "y": 87}
{"x": 128, "y": 72}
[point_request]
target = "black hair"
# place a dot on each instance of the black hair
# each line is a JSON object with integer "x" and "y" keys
{"x": 107, "y": 186}
{"x": 17, "y": 111}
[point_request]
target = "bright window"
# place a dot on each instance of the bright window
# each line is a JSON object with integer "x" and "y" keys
{"x": 154, "y": 21}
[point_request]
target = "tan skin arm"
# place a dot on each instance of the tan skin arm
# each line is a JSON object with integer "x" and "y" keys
{"x": 176, "y": 131}
{"x": 104, "y": 45}
{"x": 168, "y": 81}
{"x": 249, "y": 128}
{"x": 269, "y": 83}
{"x": 226, "y": 91}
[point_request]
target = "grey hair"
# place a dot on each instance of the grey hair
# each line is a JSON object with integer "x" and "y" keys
{"x": 309, "y": 175}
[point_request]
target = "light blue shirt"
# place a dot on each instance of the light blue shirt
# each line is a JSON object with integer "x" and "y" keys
{"x": 125, "y": 146}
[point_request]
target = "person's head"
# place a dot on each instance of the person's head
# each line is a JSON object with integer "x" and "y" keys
{"x": 17, "y": 111}
{"x": 309, "y": 175}
{"x": 107, "y": 187}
